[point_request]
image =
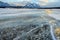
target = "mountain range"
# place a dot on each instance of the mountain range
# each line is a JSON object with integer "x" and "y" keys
{"x": 27, "y": 5}
{"x": 32, "y": 5}
{"x": 3, "y": 4}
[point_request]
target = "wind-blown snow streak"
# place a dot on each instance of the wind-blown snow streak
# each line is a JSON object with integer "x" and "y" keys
{"x": 52, "y": 34}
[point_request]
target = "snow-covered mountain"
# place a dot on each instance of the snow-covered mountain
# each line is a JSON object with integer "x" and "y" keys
{"x": 20, "y": 4}
{"x": 32, "y": 5}
{"x": 2, "y": 4}
{"x": 27, "y": 4}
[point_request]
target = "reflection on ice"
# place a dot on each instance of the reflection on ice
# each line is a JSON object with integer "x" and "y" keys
{"x": 53, "y": 13}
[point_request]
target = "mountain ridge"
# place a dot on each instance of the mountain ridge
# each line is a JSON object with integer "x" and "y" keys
{"x": 3, "y": 4}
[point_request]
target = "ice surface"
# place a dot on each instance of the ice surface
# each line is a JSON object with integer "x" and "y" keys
{"x": 28, "y": 24}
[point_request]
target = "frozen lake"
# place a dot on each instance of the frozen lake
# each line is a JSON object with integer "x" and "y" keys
{"x": 14, "y": 17}
{"x": 21, "y": 12}
{"x": 25, "y": 22}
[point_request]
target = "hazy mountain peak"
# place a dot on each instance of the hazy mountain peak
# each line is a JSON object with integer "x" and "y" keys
{"x": 2, "y": 4}
{"x": 32, "y": 5}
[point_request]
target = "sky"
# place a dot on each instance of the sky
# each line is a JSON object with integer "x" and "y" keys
{"x": 28, "y": 0}
{"x": 41, "y": 2}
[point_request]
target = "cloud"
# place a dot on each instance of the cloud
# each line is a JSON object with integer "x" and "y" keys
{"x": 49, "y": 3}
{"x": 25, "y": 0}
{"x": 53, "y": 4}
{"x": 43, "y": 2}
